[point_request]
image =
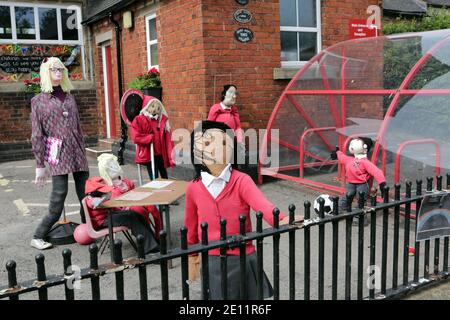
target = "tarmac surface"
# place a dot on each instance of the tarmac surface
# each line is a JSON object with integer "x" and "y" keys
{"x": 23, "y": 206}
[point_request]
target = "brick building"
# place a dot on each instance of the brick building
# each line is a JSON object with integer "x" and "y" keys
{"x": 193, "y": 44}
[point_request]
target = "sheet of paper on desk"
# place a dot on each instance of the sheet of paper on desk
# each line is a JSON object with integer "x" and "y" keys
{"x": 134, "y": 196}
{"x": 157, "y": 184}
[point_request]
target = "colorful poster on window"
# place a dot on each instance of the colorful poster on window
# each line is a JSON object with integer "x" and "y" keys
{"x": 19, "y": 62}
{"x": 433, "y": 220}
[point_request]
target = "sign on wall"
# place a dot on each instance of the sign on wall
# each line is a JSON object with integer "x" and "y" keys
{"x": 19, "y": 62}
{"x": 242, "y": 16}
{"x": 243, "y": 35}
{"x": 358, "y": 28}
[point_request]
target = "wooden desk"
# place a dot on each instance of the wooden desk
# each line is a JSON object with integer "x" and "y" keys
{"x": 163, "y": 197}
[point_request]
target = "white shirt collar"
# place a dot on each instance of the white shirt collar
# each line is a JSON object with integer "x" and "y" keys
{"x": 224, "y": 107}
{"x": 208, "y": 178}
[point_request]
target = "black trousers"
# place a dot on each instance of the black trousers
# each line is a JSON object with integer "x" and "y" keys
{"x": 159, "y": 166}
{"x": 138, "y": 225}
{"x": 60, "y": 186}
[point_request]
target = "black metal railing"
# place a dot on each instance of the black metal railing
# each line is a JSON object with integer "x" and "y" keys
{"x": 394, "y": 267}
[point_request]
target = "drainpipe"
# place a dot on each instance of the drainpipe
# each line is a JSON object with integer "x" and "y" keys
{"x": 124, "y": 134}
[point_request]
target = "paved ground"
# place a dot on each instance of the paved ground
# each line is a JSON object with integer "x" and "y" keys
{"x": 22, "y": 207}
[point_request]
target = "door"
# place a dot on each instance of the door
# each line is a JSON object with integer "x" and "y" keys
{"x": 109, "y": 92}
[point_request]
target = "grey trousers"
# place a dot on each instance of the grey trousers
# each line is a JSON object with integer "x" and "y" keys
{"x": 60, "y": 186}
{"x": 352, "y": 190}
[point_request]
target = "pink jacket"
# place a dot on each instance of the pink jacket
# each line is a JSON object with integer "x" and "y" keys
{"x": 229, "y": 117}
{"x": 143, "y": 134}
{"x": 360, "y": 170}
{"x": 240, "y": 194}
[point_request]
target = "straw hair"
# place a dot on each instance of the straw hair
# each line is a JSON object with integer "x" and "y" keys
{"x": 145, "y": 112}
{"x": 103, "y": 160}
{"x": 46, "y": 81}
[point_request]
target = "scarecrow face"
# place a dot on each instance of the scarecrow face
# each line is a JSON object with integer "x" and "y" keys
{"x": 357, "y": 147}
{"x": 56, "y": 73}
{"x": 213, "y": 147}
{"x": 230, "y": 97}
{"x": 154, "y": 108}
{"x": 113, "y": 169}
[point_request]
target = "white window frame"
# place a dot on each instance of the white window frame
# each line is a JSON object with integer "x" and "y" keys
{"x": 38, "y": 40}
{"x": 317, "y": 30}
{"x": 148, "y": 42}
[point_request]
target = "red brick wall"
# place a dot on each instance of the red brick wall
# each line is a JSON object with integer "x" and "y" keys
{"x": 335, "y": 17}
{"x": 198, "y": 54}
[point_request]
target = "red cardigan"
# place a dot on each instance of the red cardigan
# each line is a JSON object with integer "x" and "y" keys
{"x": 360, "y": 170}
{"x": 143, "y": 134}
{"x": 229, "y": 117}
{"x": 240, "y": 194}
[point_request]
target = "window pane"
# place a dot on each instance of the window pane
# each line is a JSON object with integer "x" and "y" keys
{"x": 308, "y": 45}
{"x": 5, "y": 23}
{"x": 47, "y": 24}
{"x": 25, "y": 23}
{"x": 288, "y": 17}
{"x": 154, "y": 54}
{"x": 289, "y": 46}
{"x": 69, "y": 24}
{"x": 307, "y": 13}
{"x": 152, "y": 29}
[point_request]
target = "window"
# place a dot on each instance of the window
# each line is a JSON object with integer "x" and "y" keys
{"x": 300, "y": 31}
{"x": 152, "y": 41}
{"x": 30, "y": 23}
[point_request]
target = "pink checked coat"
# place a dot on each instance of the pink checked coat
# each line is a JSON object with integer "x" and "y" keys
{"x": 52, "y": 118}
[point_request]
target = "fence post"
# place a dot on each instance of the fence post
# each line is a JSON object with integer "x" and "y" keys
{"x": 406, "y": 234}
{"x": 142, "y": 268}
{"x": 163, "y": 265}
{"x": 426, "y": 267}
{"x": 417, "y": 243}
{"x": 396, "y": 237}
{"x": 243, "y": 260}
{"x": 361, "y": 220}
{"x": 276, "y": 256}
{"x": 95, "y": 280}
{"x": 224, "y": 260}
{"x": 335, "y": 249}
{"x": 12, "y": 277}
{"x": 437, "y": 241}
{"x": 291, "y": 254}
{"x": 120, "y": 292}
{"x": 205, "y": 265}
{"x": 67, "y": 262}
{"x": 321, "y": 248}
{"x": 384, "y": 245}
{"x": 348, "y": 249}
{"x": 373, "y": 239}
{"x": 307, "y": 249}
{"x": 259, "y": 252}
{"x": 41, "y": 276}
{"x": 184, "y": 264}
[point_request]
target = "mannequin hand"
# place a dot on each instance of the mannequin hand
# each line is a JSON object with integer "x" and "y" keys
{"x": 297, "y": 218}
{"x": 41, "y": 177}
{"x": 194, "y": 267}
{"x": 333, "y": 154}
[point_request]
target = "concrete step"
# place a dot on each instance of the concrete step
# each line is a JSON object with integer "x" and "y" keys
{"x": 103, "y": 146}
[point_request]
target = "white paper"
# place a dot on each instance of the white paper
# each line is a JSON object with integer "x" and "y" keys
{"x": 134, "y": 196}
{"x": 157, "y": 184}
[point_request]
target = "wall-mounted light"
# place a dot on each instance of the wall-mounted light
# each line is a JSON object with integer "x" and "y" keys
{"x": 127, "y": 19}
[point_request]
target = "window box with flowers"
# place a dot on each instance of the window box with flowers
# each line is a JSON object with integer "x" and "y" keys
{"x": 32, "y": 87}
{"x": 149, "y": 83}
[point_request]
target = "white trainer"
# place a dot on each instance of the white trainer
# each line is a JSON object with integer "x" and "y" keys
{"x": 40, "y": 244}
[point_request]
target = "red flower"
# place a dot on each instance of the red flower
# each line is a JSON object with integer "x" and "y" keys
{"x": 37, "y": 79}
{"x": 153, "y": 70}
{"x": 26, "y": 82}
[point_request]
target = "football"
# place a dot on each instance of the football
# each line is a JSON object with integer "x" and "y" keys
{"x": 328, "y": 205}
